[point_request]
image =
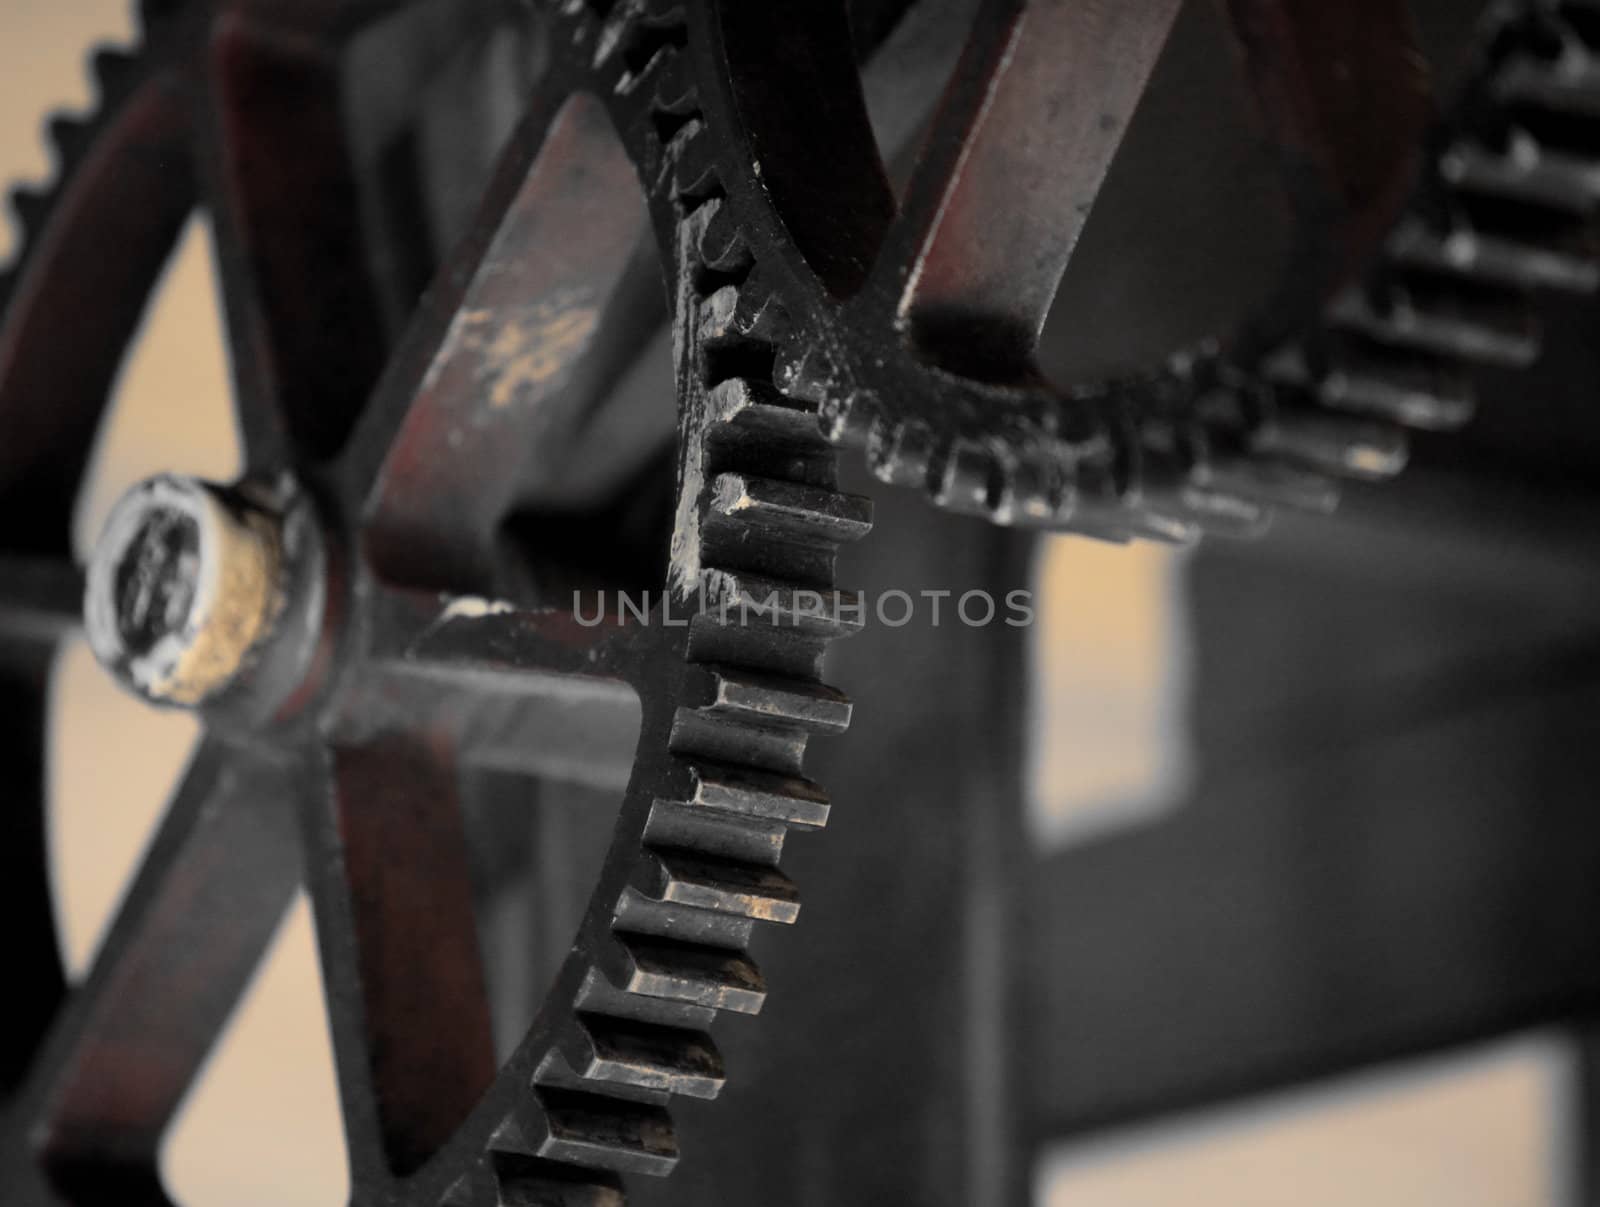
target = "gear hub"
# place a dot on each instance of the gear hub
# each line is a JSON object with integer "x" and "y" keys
{"x": 184, "y": 583}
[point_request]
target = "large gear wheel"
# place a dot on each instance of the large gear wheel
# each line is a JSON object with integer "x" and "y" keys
{"x": 338, "y": 621}
{"x": 355, "y": 618}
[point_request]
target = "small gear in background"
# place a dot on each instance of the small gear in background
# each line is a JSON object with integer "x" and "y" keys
{"x": 1420, "y": 241}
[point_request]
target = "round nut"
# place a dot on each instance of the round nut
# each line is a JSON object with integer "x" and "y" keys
{"x": 181, "y": 586}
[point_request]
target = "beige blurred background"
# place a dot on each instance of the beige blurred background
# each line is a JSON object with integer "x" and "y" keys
{"x": 1481, "y": 1129}
{"x": 262, "y": 1126}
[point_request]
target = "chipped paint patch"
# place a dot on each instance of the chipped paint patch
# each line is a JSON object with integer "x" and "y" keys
{"x": 463, "y": 607}
{"x": 732, "y": 497}
{"x": 515, "y": 353}
{"x": 474, "y": 607}
{"x": 527, "y": 353}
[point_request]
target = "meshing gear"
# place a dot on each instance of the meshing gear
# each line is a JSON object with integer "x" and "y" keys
{"x": 347, "y": 621}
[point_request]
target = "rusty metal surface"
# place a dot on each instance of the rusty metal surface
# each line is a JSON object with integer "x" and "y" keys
{"x": 518, "y": 360}
{"x": 421, "y": 472}
{"x": 1036, "y": 110}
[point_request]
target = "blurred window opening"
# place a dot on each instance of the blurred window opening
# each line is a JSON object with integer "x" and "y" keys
{"x": 1491, "y": 1127}
{"x": 1109, "y": 743}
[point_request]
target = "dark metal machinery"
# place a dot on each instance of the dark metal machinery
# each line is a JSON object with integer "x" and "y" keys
{"x": 443, "y": 227}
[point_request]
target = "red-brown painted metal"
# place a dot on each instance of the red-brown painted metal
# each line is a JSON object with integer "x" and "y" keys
{"x": 406, "y": 993}
{"x": 282, "y": 195}
{"x": 1019, "y": 149}
{"x": 502, "y": 367}
{"x": 187, "y": 937}
{"x": 1346, "y": 95}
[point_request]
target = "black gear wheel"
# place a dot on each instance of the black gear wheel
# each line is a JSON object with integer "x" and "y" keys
{"x": 774, "y": 366}
{"x": 729, "y": 702}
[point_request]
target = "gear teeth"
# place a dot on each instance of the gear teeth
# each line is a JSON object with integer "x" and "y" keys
{"x": 29, "y": 204}
{"x": 1579, "y": 20}
{"x": 1274, "y": 483}
{"x": 1523, "y": 168}
{"x": 1416, "y": 389}
{"x": 968, "y": 479}
{"x": 675, "y": 826}
{"x": 759, "y": 411}
{"x": 695, "y": 975}
{"x": 1562, "y": 74}
{"x": 847, "y": 416}
{"x": 745, "y": 890}
{"x": 1188, "y": 512}
{"x": 114, "y": 70}
{"x": 766, "y": 700}
{"x": 1334, "y": 444}
{"x": 111, "y": 67}
{"x": 667, "y": 80}
{"x": 719, "y": 317}
{"x": 805, "y": 370}
{"x": 900, "y": 452}
{"x": 692, "y": 161}
{"x": 831, "y": 613}
{"x": 744, "y": 792}
{"x": 644, "y": 1056}
{"x": 672, "y": 84}
{"x": 1504, "y": 209}
{"x": 1452, "y": 318}
{"x": 635, "y": 1028}
{"x": 722, "y": 247}
{"x": 1521, "y": 244}
{"x": 1043, "y": 494}
{"x": 1118, "y": 522}
{"x": 1174, "y": 491}
{"x": 520, "y": 1181}
{"x": 790, "y": 511}
{"x": 155, "y": 10}
{"x": 734, "y": 313}
{"x": 601, "y": 993}
{"x": 69, "y": 136}
{"x": 607, "y": 1133}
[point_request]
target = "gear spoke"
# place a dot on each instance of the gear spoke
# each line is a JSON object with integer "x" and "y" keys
{"x": 114, "y": 218}
{"x": 1021, "y": 144}
{"x": 528, "y": 326}
{"x": 441, "y": 636}
{"x": 279, "y": 182}
{"x": 582, "y": 735}
{"x": 523, "y": 690}
{"x": 191, "y": 929}
{"x": 395, "y": 925}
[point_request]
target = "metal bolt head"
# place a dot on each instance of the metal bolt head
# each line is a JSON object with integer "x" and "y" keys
{"x": 182, "y": 585}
